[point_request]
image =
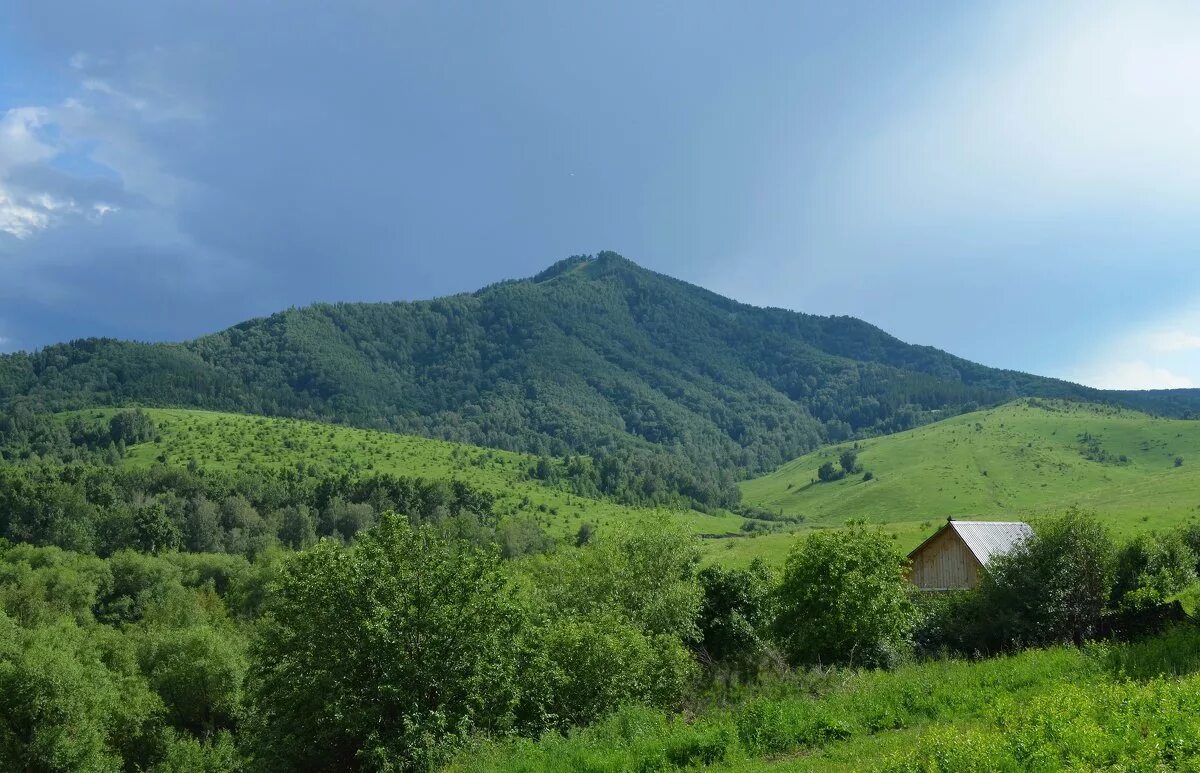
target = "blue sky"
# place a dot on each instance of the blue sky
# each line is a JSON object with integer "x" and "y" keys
{"x": 1016, "y": 183}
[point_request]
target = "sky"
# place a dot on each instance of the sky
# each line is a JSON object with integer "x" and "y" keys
{"x": 1016, "y": 183}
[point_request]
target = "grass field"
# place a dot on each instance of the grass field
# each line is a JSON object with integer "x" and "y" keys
{"x": 1013, "y": 462}
{"x": 227, "y": 442}
{"x": 1108, "y": 706}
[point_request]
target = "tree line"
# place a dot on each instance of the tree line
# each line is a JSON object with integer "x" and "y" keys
{"x": 412, "y": 641}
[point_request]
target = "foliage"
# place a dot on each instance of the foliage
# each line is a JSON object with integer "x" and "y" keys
{"x": 672, "y": 390}
{"x": 159, "y": 688}
{"x": 1051, "y": 587}
{"x": 1151, "y": 568}
{"x": 644, "y": 572}
{"x": 843, "y": 599}
{"x": 944, "y": 715}
{"x": 735, "y": 617}
{"x": 372, "y": 657}
{"x": 161, "y": 509}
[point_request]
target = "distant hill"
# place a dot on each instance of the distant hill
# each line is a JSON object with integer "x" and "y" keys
{"x": 1017, "y": 460}
{"x": 669, "y": 387}
{"x": 225, "y": 442}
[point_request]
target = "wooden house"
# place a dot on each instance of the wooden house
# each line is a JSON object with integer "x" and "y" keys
{"x": 952, "y": 557}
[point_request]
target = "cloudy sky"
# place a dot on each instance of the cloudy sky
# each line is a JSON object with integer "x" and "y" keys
{"x": 1016, "y": 183}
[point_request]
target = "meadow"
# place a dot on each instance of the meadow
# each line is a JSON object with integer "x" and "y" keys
{"x": 1013, "y": 462}
{"x": 227, "y": 442}
{"x": 1106, "y": 706}
{"x": 1016, "y": 461}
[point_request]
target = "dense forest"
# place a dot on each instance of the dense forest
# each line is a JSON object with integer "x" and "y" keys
{"x": 594, "y": 355}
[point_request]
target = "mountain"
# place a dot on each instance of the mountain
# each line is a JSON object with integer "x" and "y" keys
{"x": 1018, "y": 460}
{"x": 670, "y": 388}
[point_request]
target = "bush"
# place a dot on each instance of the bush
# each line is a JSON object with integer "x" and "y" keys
{"x": 735, "y": 616}
{"x": 827, "y": 473}
{"x": 844, "y": 600}
{"x": 1151, "y": 568}
{"x": 376, "y": 655}
{"x": 1050, "y": 588}
{"x": 581, "y": 668}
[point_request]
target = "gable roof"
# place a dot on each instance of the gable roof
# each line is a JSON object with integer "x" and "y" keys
{"x": 985, "y": 539}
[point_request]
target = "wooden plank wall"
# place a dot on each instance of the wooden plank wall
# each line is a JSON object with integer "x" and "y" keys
{"x": 945, "y": 563}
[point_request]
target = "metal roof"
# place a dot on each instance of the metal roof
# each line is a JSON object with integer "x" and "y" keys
{"x": 985, "y": 539}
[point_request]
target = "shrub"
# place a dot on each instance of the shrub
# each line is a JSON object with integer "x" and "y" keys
{"x": 581, "y": 668}
{"x": 844, "y": 600}
{"x": 1052, "y": 587}
{"x": 736, "y": 615}
{"x": 1151, "y": 568}
{"x": 827, "y": 473}
{"x": 375, "y": 655}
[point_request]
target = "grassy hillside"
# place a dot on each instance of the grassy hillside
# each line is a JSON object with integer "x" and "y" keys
{"x": 227, "y": 442}
{"x": 1017, "y": 460}
{"x": 595, "y": 356}
{"x": 1038, "y": 456}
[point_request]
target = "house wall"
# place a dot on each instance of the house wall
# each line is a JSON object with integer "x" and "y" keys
{"x": 944, "y": 563}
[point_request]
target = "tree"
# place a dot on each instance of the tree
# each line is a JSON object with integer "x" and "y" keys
{"x": 198, "y": 673}
{"x": 67, "y": 702}
{"x": 827, "y": 472}
{"x": 1152, "y": 567}
{"x": 153, "y": 529}
{"x": 371, "y": 656}
{"x": 1052, "y": 587}
{"x": 849, "y": 461}
{"x": 736, "y": 615}
{"x": 843, "y": 600}
{"x": 297, "y": 528}
{"x": 202, "y": 526}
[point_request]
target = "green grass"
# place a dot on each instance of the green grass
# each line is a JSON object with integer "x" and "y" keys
{"x": 1135, "y": 706}
{"x": 228, "y": 442}
{"x": 1030, "y": 450}
{"x": 1013, "y": 462}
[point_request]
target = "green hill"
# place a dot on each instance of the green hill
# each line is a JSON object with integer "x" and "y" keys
{"x": 1017, "y": 460}
{"x": 675, "y": 391}
{"x": 228, "y": 442}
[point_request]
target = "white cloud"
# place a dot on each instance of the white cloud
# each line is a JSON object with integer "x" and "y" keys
{"x": 20, "y": 140}
{"x": 1056, "y": 108}
{"x": 1163, "y": 354}
{"x": 1131, "y": 374}
{"x": 1173, "y": 341}
{"x": 19, "y": 219}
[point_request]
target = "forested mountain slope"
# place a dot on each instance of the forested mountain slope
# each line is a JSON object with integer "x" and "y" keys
{"x": 594, "y": 355}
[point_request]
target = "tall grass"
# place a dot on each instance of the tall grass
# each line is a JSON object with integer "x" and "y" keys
{"x": 778, "y": 720}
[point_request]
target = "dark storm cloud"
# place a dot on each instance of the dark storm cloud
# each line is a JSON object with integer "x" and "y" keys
{"x": 170, "y": 168}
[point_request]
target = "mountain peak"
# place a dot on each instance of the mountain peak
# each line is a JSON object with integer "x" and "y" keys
{"x": 588, "y": 265}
